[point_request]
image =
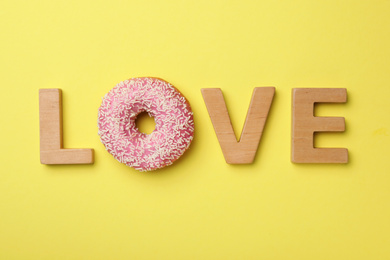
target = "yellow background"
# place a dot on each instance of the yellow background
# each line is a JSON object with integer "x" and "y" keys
{"x": 200, "y": 207}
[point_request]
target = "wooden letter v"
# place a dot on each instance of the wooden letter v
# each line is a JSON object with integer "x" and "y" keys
{"x": 243, "y": 151}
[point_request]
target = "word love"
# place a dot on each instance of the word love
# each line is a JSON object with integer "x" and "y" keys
{"x": 304, "y": 125}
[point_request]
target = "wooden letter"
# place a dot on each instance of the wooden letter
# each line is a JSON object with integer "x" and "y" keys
{"x": 50, "y": 120}
{"x": 304, "y": 124}
{"x": 244, "y": 150}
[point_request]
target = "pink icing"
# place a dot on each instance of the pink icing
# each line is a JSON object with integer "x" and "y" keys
{"x": 172, "y": 114}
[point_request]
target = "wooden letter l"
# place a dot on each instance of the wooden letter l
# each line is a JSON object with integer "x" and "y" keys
{"x": 50, "y": 121}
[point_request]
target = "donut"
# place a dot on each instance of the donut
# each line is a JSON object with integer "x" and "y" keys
{"x": 172, "y": 113}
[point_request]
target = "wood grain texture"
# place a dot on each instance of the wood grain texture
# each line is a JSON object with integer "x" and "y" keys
{"x": 50, "y": 124}
{"x": 244, "y": 150}
{"x": 305, "y": 124}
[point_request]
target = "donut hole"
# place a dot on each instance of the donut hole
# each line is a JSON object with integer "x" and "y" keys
{"x": 145, "y": 123}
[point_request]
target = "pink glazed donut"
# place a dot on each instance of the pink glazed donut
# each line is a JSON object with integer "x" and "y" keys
{"x": 172, "y": 114}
